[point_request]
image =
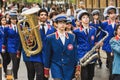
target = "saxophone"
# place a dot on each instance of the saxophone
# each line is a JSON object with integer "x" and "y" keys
{"x": 90, "y": 55}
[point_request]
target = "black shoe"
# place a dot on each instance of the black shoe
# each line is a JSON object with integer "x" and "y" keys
{"x": 107, "y": 66}
{"x": 100, "y": 64}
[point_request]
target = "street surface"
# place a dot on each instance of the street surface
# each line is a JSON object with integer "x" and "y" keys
{"x": 100, "y": 74}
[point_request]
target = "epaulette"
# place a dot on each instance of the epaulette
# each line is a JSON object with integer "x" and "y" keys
{"x": 72, "y": 35}
{"x": 91, "y": 27}
{"x": 51, "y": 34}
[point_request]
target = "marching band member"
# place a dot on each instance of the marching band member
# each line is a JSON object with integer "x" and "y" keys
{"x": 109, "y": 26}
{"x": 60, "y": 52}
{"x": 35, "y": 63}
{"x": 13, "y": 41}
{"x": 115, "y": 45}
{"x": 105, "y": 13}
{"x": 97, "y": 24}
{"x": 86, "y": 37}
{"x": 69, "y": 27}
{"x": 7, "y": 18}
{"x": 30, "y": 73}
{"x": 5, "y": 55}
{"x": 77, "y": 23}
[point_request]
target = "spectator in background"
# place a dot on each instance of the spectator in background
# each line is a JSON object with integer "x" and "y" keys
{"x": 51, "y": 16}
{"x": 44, "y": 6}
{"x": 3, "y": 10}
{"x": 81, "y": 5}
{"x": 53, "y": 8}
{"x": 115, "y": 45}
{"x": 72, "y": 14}
{"x": 62, "y": 11}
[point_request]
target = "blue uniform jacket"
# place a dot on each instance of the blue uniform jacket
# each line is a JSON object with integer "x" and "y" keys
{"x": 61, "y": 58}
{"x": 115, "y": 45}
{"x": 99, "y": 32}
{"x": 1, "y": 38}
{"x": 85, "y": 42}
{"x": 40, "y": 57}
{"x": 12, "y": 39}
{"x": 108, "y": 27}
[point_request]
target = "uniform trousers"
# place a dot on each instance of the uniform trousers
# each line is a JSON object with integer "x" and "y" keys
{"x": 116, "y": 77}
{"x": 87, "y": 72}
{"x": 35, "y": 68}
{"x": 6, "y": 61}
{"x": 15, "y": 63}
{"x": 109, "y": 64}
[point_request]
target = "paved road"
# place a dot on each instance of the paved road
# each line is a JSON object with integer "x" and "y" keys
{"x": 100, "y": 74}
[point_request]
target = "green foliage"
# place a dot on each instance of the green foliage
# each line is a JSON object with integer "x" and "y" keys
{"x": 72, "y": 1}
{"x": 37, "y": 1}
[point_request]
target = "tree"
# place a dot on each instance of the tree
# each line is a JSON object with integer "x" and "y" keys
{"x": 37, "y": 1}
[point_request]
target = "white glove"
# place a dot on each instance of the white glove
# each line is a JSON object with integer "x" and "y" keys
{"x": 3, "y": 49}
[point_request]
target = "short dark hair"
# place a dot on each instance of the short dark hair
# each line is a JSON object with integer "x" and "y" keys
{"x": 76, "y": 19}
{"x": 84, "y": 14}
{"x": 52, "y": 14}
{"x": 111, "y": 10}
{"x": 95, "y": 14}
{"x": 117, "y": 26}
{"x": 1, "y": 19}
{"x": 42, "y": 10}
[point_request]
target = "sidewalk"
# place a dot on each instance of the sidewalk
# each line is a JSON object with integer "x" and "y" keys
{"x": 100, "y": 74}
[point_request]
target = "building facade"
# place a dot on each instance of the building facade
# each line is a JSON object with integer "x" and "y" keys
{"x": 99, "y": 3}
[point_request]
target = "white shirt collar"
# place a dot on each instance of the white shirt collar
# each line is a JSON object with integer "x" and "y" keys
{"x": 40, "y": 23}
{"x": 13, "y": 25}
{"x": 45, "y": 26}
{"x": 113, "y": 24}
{"x": 85, "y": 27}
{"x": 2, "y": 26}
{"x": 61, "y": 35}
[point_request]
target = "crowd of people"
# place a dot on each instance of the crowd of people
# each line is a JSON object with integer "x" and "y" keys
{"x": 67, "y": 35}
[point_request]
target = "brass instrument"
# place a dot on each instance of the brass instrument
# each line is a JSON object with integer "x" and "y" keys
{"x": 90, "y": 55}
{"x": 29, "y": 34}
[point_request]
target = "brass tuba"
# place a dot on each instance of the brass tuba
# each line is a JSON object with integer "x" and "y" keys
{"x": 29, "y": 32}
